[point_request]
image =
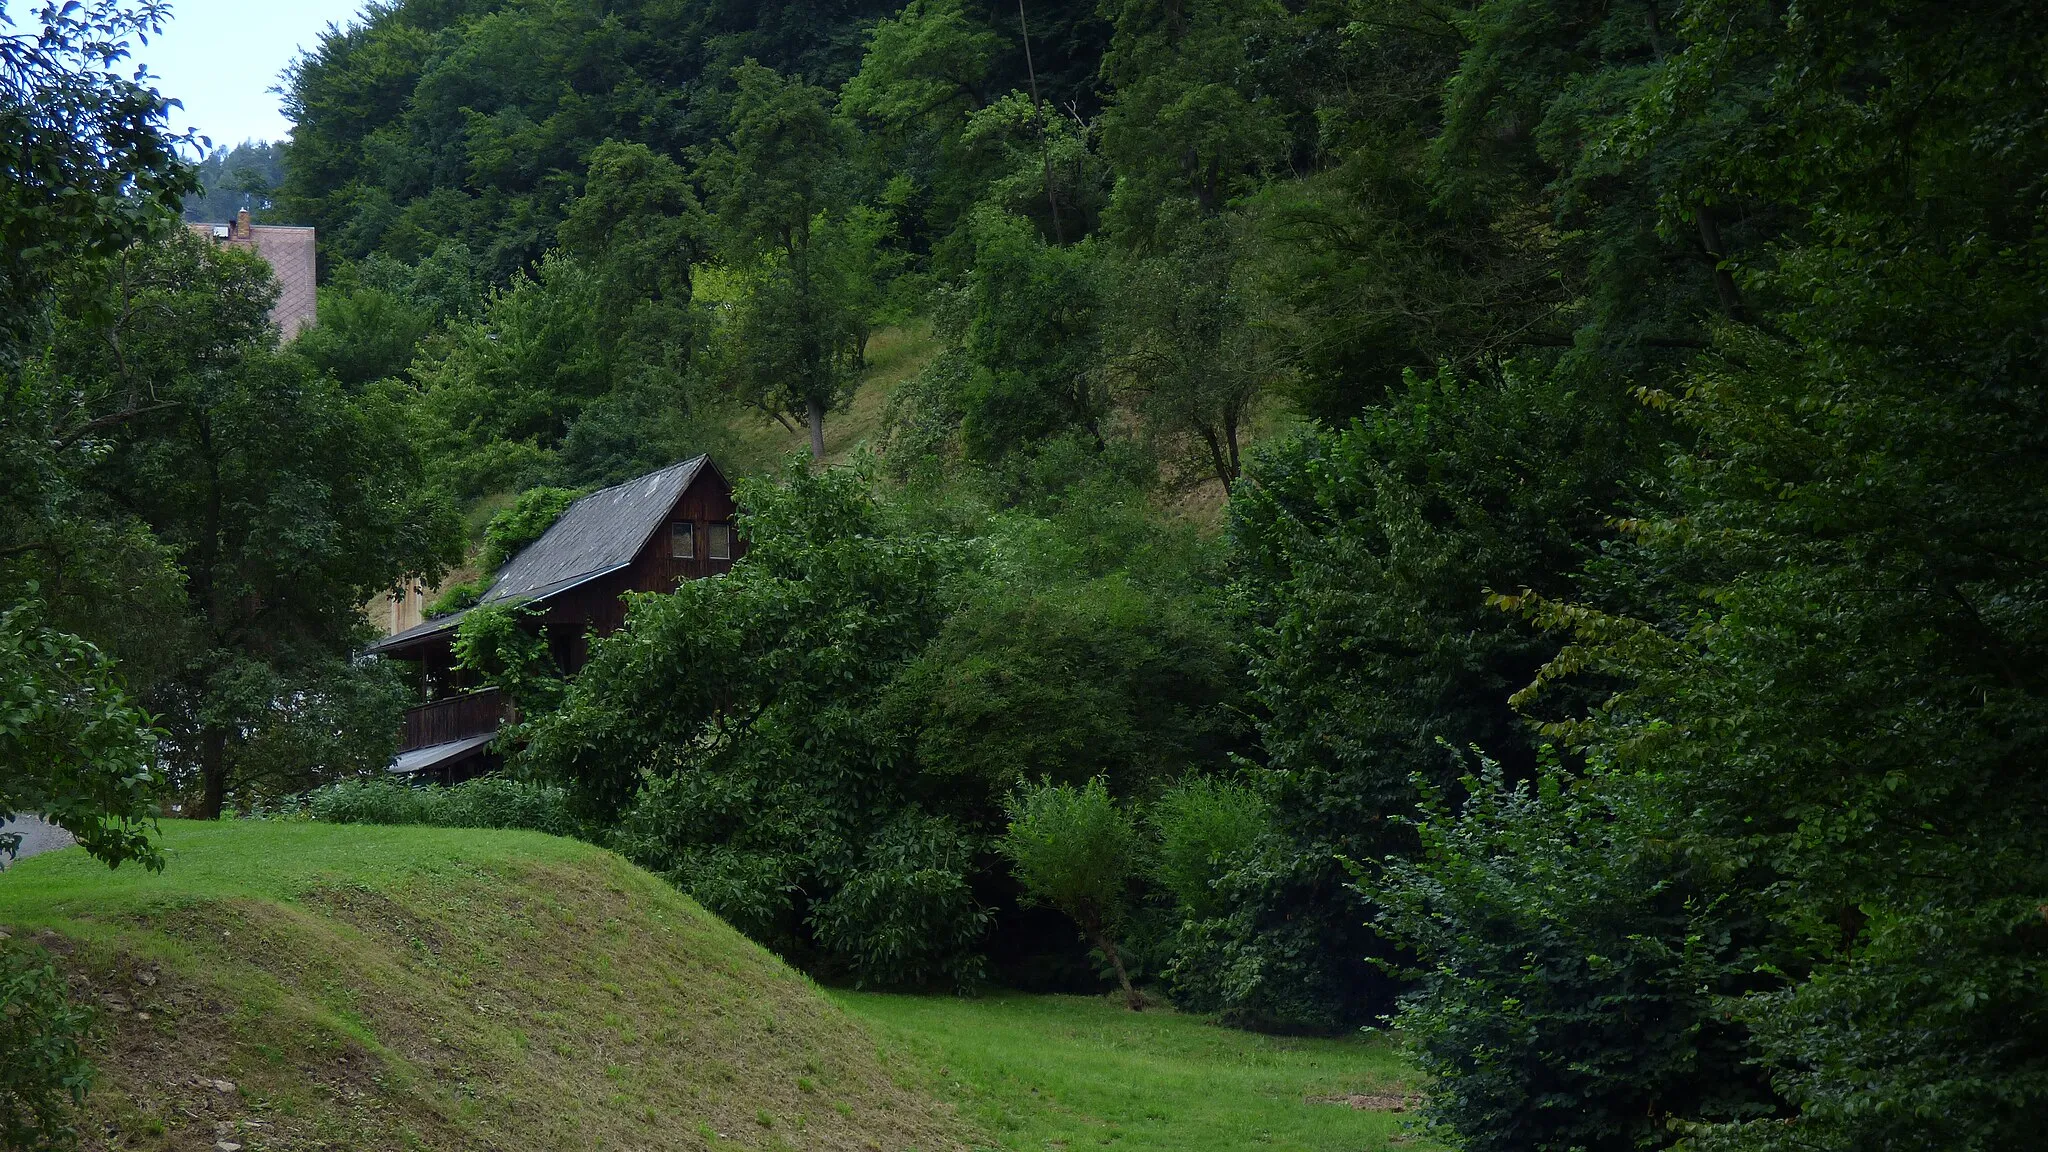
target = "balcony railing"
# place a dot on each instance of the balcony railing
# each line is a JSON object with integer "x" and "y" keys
{"x": 456, "y": 718}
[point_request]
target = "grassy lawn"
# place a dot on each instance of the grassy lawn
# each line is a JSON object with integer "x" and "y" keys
{"x": 1052, "y": 1072}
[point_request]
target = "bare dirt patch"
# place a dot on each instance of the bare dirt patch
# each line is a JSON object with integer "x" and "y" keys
{"x": 1372, "y": 1101}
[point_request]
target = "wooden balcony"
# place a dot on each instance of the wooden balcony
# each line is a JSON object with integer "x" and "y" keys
{"x": 456, "y": 718}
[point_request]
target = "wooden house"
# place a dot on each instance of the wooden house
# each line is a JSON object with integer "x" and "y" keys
{"x": 646, "y": 535}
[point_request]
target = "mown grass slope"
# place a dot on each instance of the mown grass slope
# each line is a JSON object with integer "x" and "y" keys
{"x": 1074, "y": 1072}
{"x": 301, "y": 986}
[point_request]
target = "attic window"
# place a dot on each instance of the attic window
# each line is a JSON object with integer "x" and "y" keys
{"x": 682, "y": 544}
{"x": 721, "y": 542}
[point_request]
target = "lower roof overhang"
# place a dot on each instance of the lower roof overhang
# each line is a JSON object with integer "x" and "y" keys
{"x": 441, "y": 629}
{"x": 435, "y": 755}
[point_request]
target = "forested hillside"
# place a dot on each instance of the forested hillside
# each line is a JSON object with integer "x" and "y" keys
{"x": 1622, "y": 660}
{"x": 233, "y": 179}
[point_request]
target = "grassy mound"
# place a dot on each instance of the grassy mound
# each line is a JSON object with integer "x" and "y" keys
{"x": 300, "y": 986}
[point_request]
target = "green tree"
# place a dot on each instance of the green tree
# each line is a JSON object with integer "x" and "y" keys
{"x": 285, "y": 501}
{"x": 1364, "y": 559}
{"x": 1026, "y": 326}
{"x": 90, "y": 164}
{"x": 781, "y": 183}
{"x": 1829, "y": 669}
{"x": 1187, "y": 127}
{"x": 638, "y": 225}
{"x": 426, "y": 122}
{"x": 231, "y": 180}
{"x": 87, "y": 167}
{"x": 79, "y": 753}
{"x": 532, "y": 392}
{"x": 379, "y": 317}
{"x": 960, "y": 115}
{"x": 1189, "y": 351}
{"x": 1075, "y": 849}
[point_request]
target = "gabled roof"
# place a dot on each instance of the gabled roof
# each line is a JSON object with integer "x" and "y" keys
{"x": 595, "y": 536}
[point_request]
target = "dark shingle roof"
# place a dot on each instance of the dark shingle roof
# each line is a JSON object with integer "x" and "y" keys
{"x": 600, "y": 533}
{"x": 595, "y": 536}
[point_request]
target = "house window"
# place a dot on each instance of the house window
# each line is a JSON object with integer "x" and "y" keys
{"x": 682, "y": 543}
{"x": 721, "y": 542}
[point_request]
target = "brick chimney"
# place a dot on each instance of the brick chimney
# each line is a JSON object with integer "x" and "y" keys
{"x": 242, "y": 224}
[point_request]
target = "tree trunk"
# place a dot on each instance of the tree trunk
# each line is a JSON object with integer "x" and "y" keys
{"x": 1724, "y": 281}
{"x": 1217, "y": 460}
{"x": 1135, "y": 1002}
{"x": 815, "y": 412}
{"x": 213, "y": 772}
{"x": 1059, "y": 233}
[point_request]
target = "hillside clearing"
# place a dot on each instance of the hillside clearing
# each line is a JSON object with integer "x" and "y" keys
{"x": 303, "y": 986}
{"x": 894, "y": 355}
{"x": 1052, "y": 1072}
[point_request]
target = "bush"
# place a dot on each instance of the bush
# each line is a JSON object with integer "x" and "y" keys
{"x": 733, "y": 733}
{"x": 1070, "y": 680}
{"x": 908, "y": 916}
{"x": 525, "y": 520}
{"x": 1075, "y": 849}
{"x": 459, "y": 595}
{"x": 485, "y": 802}
{"x": 516, "y": 525}
{"x": 44, "y": 1074}
{"x": 1572, "y": 966}
{"x": 1206, "y": 829}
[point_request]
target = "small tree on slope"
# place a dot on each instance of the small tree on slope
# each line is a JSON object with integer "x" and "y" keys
{"x": 1074, "y": 849}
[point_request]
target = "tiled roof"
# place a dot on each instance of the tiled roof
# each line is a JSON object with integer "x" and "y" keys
{"x": 600, "y": 533}
{"x": 289, "y": 252}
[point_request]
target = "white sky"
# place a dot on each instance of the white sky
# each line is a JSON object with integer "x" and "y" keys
{"x": 222, "y": 57}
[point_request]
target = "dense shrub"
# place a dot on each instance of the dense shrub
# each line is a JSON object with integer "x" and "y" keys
{"x": 733, "y": 731}
{"x": 906, "y": 914}
{"x": 485, "y": 802}
{"x": 818, "y": 745}
{"x": 523, "y": 521}
{"x": 1571, "y": 968}
{"x": 1070, "y": 680}
{"x": 1079, "y": 851}
{"x": 44, "y": 1073}
{"x": 1206, "y": 829}
{"x": 459, "y": 595}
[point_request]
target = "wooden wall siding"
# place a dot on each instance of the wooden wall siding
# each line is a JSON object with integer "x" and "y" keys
{"x": 705, "y": 502}
{"x": 456, "y": 718}
{"x": 600, "y": 605}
